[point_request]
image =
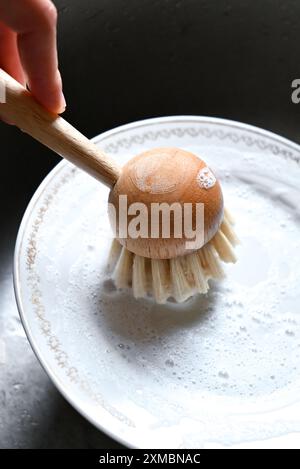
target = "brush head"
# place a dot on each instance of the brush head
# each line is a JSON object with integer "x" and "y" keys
{"x": 172, "y": 177}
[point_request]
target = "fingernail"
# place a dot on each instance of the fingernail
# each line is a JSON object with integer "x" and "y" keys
{"x": 63, "y": 103}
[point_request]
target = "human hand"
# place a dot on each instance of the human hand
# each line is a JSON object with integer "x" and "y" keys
{"x": 28, "y": 49}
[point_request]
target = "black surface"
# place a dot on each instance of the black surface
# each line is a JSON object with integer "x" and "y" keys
{"x": 128, "y": 60}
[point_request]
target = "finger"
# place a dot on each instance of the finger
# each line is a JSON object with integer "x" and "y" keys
{"x": 34, "y": 21}
{"x": 9, "y": 54}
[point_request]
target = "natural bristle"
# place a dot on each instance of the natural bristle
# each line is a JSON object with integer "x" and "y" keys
{"x": 139, "y": 277}
{"x": 113, "y": 257}
{"x": 178, "y": 278}
{"x": 161, "y": 282}
{"x": 180, "y": 286}
{"x": 123, "y": 271}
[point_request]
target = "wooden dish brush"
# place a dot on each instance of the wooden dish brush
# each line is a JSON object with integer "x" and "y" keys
{"x": 163, "y": 267}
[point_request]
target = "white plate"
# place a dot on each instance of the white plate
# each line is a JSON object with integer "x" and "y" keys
{"x": 220, "y": 370}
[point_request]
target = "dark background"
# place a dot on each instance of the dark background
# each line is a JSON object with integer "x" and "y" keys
{"x": 124, "y": 60}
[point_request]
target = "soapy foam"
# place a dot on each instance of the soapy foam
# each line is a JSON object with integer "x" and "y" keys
{"x": 238, "y": 347}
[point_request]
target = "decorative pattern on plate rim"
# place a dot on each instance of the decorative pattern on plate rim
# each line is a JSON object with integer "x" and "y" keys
{"x": 234, "y": 137}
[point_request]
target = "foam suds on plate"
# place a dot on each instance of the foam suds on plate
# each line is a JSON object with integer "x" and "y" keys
{"x": 235, "y": 350}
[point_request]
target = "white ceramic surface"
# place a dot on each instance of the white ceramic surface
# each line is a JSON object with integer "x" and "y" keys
{"x": 220, "y": 370}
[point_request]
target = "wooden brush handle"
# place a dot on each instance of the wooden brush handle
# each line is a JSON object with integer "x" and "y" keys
{"x": 25, "y": 112}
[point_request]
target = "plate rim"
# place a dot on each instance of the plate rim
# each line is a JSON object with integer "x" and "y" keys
{"x": 36, "y": 197}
